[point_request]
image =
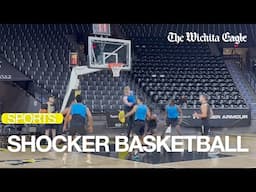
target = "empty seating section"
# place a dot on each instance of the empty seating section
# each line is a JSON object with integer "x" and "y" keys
{"x": 41, "y": 52}
{"x": 164, "y": 70}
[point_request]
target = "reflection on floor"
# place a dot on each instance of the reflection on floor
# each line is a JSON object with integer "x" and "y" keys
{"x": 163, "y": 157}
{"x": 155, "y": 158}
{"x": 24, "y": 161}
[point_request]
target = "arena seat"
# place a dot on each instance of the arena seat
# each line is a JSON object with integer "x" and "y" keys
{"x": 187, "y": 69}
{"x": 162, "y": 70}
{"x": 41, "y": 52}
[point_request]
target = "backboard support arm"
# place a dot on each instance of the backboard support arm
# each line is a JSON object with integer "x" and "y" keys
{"x": 74, "y": 81}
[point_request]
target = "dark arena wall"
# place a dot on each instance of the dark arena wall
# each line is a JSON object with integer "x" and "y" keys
{"x": 222, "y": 118}
{"x": 14, "y": 99}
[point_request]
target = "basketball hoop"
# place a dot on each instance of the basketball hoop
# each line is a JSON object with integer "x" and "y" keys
{"x": 116, "y": 68}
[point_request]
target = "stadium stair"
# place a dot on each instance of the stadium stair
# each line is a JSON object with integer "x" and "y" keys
{"x": 214, "y": 49}
{"x": 246, "y": 91}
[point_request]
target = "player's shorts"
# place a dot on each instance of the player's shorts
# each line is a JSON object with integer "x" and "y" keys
{"x": 77, "y": 125}
{"x": 152, "y": 125}
{"x": 50, "y": 126}
{"x": 173, "y": 122}
{"x": 139, "y": 127}
{"x": 205, "y": 127}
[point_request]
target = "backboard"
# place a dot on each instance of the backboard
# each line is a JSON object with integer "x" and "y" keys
{"x": 102, "y": 51}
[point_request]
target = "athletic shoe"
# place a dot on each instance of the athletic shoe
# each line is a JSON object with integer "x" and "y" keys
{"x": 214, "y": 153}
{"x": 136, "y": 157}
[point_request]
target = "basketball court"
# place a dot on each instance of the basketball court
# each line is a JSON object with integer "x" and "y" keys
{"x": 113, "y": 160}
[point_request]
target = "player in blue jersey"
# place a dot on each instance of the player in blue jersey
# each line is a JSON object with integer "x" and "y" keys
{"x": 174, "y": 116}
{"x": 141, "y": 113}
{"x": 79, "y": 114}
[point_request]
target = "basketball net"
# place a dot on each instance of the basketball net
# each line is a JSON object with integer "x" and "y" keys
{"x": 116, "y": 68}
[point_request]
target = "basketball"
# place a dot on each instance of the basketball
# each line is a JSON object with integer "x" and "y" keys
{"x": 121, "y": 116}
